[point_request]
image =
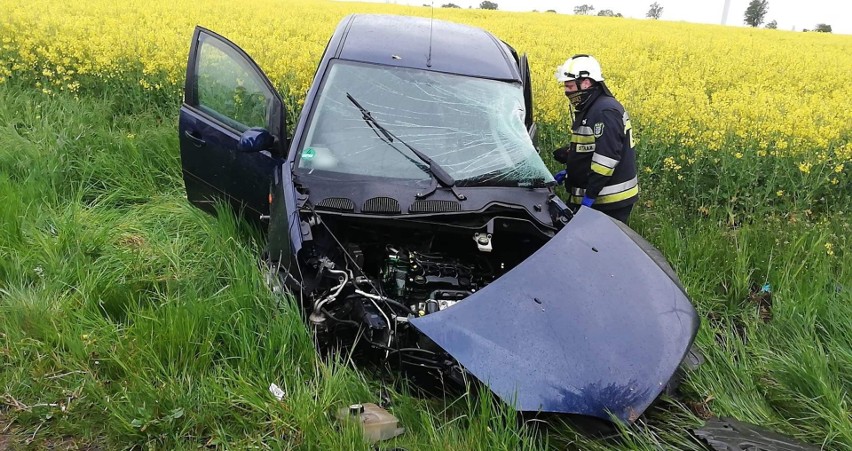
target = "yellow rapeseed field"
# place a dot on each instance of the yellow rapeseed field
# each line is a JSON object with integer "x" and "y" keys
{"x": 701, "y": 92}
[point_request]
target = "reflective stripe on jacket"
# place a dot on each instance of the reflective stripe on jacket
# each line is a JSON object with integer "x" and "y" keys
{"x": 601, "y": 158}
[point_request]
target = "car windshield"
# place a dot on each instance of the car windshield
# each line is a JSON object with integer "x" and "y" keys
{"x": 472, "y": 127}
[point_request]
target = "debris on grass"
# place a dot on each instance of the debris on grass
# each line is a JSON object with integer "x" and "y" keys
{"x": 727, "y": 434}
{"x": 376, "y": 422}
{"x": 277, "y": 392}
{"x": 762, "y": 297}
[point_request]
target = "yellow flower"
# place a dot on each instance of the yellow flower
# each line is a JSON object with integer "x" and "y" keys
{"x": 97, "y": 47}
{"x": 670, "y": 165}
{"x": 780, "y": 193}
{"x": 829, "y": 248}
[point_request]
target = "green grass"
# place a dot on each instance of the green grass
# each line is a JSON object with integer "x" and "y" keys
{"x": 130, "y": 319}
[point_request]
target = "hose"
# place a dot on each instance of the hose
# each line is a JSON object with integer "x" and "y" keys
{"x": 386, "y": 300}
{"x": 319, "y": 305}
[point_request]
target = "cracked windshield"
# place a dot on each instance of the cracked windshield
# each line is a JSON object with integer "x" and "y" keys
{"x": 471, "y": 127}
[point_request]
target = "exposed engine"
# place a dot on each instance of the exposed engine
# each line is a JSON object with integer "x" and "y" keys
{"x": 405, "y": 284}
{"x": 429, "y": 282}
{"x": 362, "y": 282}
{"x": 374, "y": 291}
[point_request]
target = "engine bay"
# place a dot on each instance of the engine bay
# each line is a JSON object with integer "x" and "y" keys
{"x": 364, "y": 281}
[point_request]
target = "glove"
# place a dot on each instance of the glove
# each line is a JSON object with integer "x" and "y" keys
{"x": 559, "y": 176}
{"x": 561, "y": 155}
{"x": 587, "y": 201}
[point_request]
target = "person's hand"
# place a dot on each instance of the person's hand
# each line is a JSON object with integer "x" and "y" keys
{"x": 559, "y": 176}
{"x": 561, "y": 155}
{"x": 587, "y": 201}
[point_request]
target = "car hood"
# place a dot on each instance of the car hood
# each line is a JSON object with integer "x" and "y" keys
{"x": 590, "y": 324}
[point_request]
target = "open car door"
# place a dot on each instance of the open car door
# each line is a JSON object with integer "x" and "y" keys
{"x": 232, "y": 128}
{"x": 524, "y": 66}
{"x": 529, "y": 119}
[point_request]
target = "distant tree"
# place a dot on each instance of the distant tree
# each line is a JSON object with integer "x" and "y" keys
{"x": 655, "y": 11}
{"x": 755, "y": 12}
{"x": 583, "y": 9}
{"x": 772, "y": 25}
{"x": 551, "y": 11}
{"x": 450, "y": 5}
{"x": 487, "y": 5}
{"x": 822, "y": 28}
{"x": 606, "y": 13}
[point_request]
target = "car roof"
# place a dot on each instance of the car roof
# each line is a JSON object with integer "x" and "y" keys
{"x": 405, "y": 42}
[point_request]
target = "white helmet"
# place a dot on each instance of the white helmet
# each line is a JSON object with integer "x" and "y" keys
{"x": 579, "y": 66}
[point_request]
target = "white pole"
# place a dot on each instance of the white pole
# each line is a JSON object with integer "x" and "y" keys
{"x": 725, "y": 12}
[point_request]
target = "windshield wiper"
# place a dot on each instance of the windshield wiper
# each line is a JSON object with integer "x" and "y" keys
{"x": 438, "y": 173}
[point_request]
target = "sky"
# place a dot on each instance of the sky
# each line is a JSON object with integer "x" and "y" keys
{"x": 790, "y": 14}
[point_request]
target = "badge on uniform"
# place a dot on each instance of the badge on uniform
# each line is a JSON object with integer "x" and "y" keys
{"x": 599, "y": 129}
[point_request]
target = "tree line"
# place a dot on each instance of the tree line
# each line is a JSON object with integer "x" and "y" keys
{"x": 754, "y": 16}
{"x": 756, "y": 12}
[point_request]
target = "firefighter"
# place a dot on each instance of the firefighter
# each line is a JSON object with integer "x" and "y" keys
{"x": 600, "y": 160}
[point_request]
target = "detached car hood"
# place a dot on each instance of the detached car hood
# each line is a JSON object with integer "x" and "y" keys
{"x": 590, "y": 324}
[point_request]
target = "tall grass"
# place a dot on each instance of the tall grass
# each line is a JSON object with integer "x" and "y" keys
{"x": 130, "y": 319}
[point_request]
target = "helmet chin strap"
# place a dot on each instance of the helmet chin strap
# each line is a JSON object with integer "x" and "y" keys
{"x": 580, "y": 98}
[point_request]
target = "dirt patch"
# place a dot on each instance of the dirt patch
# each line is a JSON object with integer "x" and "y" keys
{"x": 134, "y": 242}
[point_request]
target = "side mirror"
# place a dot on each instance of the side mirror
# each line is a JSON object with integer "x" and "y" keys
{"x": 255, "y": 139}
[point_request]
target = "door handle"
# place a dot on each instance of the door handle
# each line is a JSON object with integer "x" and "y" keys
{"x": 196, "y": 141}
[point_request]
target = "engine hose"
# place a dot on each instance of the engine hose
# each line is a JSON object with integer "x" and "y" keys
{"x": 386, "y": 300}
{"x": 387, "y": 320}
{"x": 400, "y": 305}
{"x": 338, "y": 320}
{"x": 319, "y": 305}
{"x": 388, "y": 349}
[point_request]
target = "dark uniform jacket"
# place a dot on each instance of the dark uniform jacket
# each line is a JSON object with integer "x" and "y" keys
{"x": 600, "y": 161}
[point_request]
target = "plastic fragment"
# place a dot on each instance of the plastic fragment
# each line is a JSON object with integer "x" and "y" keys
{"x": 376, "y": 422}
{"x": 276, "y": 391}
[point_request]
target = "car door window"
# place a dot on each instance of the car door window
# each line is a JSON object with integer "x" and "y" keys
{"x": 228, "y": 87}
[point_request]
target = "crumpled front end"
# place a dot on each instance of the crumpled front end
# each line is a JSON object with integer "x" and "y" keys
{"x": 590, "y": 324}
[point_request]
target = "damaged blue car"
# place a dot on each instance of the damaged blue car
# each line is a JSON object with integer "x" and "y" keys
{"x": 413, "y": 219}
